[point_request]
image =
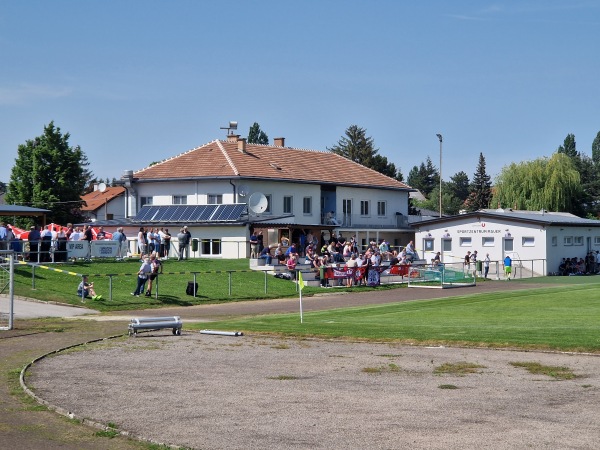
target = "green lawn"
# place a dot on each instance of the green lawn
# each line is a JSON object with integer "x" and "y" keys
{"x": 212, "y": 287}
{"x": 558, "y": 318}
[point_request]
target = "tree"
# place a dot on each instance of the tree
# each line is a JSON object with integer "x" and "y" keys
{"x": 2, "y": 187}
{"x": 551, "y": 184}
{"x": 257, "y": 136}
{"x": 596, "y": 150}
{"x": 424, "y": 178}
{"x": 459, "y": 186}
{"x": 50, "y": 174}
{"x": 481, "y": 188}
{"x": 569, "y": 146}
{"x": 357, "y": 147}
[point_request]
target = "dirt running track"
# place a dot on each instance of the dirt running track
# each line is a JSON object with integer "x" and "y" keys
{"x": 254, "y": 392}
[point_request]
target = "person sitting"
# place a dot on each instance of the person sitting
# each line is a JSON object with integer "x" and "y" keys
{"x": 411, "y": 254}
{"x": 86, "y": 290}
{"x": 331, "y": 220}
{"x": 291, "y": 265}
{"x": 266, "y": 255}
{"x": 279, "y": 253}
{"x": 310, "y": 256}
{"x": 394, "y": 259}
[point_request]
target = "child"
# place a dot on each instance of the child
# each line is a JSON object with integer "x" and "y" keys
{"x": 85, "y": 289}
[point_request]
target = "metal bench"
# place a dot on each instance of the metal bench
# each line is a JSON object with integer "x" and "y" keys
{"x": 155, "y": 323}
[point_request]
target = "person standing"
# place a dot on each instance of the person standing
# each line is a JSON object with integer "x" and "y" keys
{"x": 182, "y": 237}
{"x": 142, "y": 242}
{"x": 507, "y": 267}
{"x": 120, "y": 237}
{"x": 142, "y": 276}
{"x": 486, "y": 265}
{"x": 34, "y": 242}
{"x": 254, "y": 245}
{"x": 87, "y": 236}
{"x": 3, "y": 236}
{"x": 167, "y": 241}
{"x": 189, "y": 240}
{"x": 156, "y": 270}
{"x": 101, "y": 234}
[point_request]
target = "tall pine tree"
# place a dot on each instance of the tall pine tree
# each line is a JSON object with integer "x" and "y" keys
{"x": 481, "y": 188}
{"x": 50, "y": 174}
{"x": 257, "y": 136}
{"x": 357, "y": 147}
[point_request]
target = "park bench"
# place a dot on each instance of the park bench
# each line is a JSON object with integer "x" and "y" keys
{"x": 155, "y": 323}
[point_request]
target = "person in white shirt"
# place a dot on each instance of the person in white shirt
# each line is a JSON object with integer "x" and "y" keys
{"x": 351, "y": 264}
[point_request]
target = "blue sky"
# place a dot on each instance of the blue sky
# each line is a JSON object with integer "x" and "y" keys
{"x": 139, "y": 81}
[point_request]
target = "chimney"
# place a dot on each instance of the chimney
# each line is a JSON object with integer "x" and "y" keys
{"x": 279, "y": 142}
{"x": 232, "y": 137}
{"x": 241, "y": 142}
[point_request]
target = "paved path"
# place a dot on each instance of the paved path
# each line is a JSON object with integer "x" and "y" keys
{"x": 323, "y": 301}
{"x": 31, "y": 309}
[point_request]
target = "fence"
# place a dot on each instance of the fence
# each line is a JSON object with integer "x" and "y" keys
{"x": 214, "y": 277}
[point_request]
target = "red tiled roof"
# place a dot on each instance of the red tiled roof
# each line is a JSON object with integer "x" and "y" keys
{"x": 96, "y": 199}
{"x": 222, "y": 159}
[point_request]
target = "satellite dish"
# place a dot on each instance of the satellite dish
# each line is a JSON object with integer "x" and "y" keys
{"x": 244, "y": 190}
{"x": 102, "y": 187}
{"x": 258, "y": 203}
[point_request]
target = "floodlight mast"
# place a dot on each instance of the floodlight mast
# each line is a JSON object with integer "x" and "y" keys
{"x": 232, "y": 126}
{"x": 439, "y": 136}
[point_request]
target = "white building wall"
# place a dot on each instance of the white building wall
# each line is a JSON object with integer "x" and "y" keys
{"x": 529, "y": 241}
{"x": 393, "y": 201}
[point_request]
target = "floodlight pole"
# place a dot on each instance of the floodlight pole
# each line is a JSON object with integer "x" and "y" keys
{"x": 439, "y": 136}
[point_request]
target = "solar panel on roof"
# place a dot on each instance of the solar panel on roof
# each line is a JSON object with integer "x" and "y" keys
{"x": 228, "y": 213}
{"x": 144, "y": 213}
{"x": 190, "y": 213}
{"x": 206, "y": 213}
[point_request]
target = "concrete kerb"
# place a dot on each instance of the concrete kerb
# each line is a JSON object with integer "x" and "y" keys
{"x": 84, "y": 420}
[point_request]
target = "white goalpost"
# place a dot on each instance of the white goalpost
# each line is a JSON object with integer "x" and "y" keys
{"x": 442, "y": 276}
{"x": 7, "y": 272}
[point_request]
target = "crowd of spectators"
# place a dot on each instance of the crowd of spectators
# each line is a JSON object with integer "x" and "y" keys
{"x": 590, "y": 265}
{"x": 338, "y": 252}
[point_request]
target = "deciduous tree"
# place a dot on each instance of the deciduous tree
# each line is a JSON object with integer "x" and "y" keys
{"x": 552, "y": 184}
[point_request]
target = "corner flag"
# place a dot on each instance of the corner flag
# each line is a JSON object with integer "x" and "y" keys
{"x": 300, "y": 281}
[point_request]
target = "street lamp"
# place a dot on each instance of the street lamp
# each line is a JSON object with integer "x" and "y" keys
{"x": 439, "y": 136}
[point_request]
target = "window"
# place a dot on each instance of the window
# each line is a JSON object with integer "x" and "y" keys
{"x": 307, "y": 205}
{"x": 110, "y": 216}
{"x": 215, "y": 199}
{"x": 180, "y": 199}
{"x": 288, "y": 204}
{"x": 364, "y": 207}
{"x": 269, "y": 200}
{"x": 211, "y": 246}
{"x": 428, "y": 244}
{"x": 596, "y": 240}
{"x": 465, "y": 242}
{"x": 527, "y": 241}
{"x": 347, "y": 212}
{"x": 554, "y": 241}
{"x": 578, "y": 240}
{"x": 487, "y": 242}
{"x": 446, "y": 245}
{"x": 568, "y": 240}
{"x": 145, "y": 201}
{"x": 381, "y": 209}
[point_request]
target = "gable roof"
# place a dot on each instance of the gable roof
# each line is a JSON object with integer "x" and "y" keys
{"x": 544, "y": 218}
{"x": 222, "y": 159}
{"x": 96, "y": 199}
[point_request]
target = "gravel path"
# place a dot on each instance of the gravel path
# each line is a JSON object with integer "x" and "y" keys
{"x": 250, "y": 392}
